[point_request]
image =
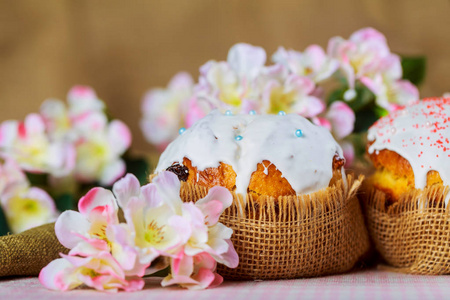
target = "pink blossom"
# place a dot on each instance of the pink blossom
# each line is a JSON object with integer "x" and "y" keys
{"x": 339, "y": 119}
{"x": 28, "y": 144}
{"x": 12, "y": 178}
{"x": 163, "y": 225}
{"x": 193, "y": 272}
{"x": 108, "y": 255}
{"x": 97, "y": 143}
{"x": 196, "y": 111}
{"x": 363, "y": 54}
{"x": 100, "y": 271}
{"x": 97, "y": 210}
{"x": 152, "y": 215}
{"x": 208, "y": 235}
{"x": 342, "y": 119}
{"x": 164, "y": 110}
{"x": 313, "y": 62}
{"x": 230, "y": 85}
{"x": 391, "y": 94}
{"x": 324, "y": 122}
{"x": 83, "y": 99}
{"x": 99, "y": 154}
{"x": 289, "y": 93}
{"x": 27, "y": 207}
{"x": 366, "y": 57}
{"x": 349, "y": 152}
{"x": 96, "y": 228}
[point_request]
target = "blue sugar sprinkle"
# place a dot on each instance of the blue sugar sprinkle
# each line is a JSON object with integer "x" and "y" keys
{"x": 238, "y": 138}
{"x": 299, "y": 133}
{"x": 252, "y": 112}
{"x": 181, "y": 130}
{"x": 281, "y": 113}
{"x": 228, "y": 113}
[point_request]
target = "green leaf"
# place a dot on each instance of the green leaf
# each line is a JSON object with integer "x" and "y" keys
{"x": 337, "y": 95}
{"x": 160, "y": 273}
{"x": 414, "y": 69}
{"x": 139, "y": 167}
{"x": 4, "y": 228}
{"x": 65, "y": 202}
{"x": 364, "y": 98}
{"x": 380, "y": 112}
{"x": 365, "y": 118}
{"x": 37, "y": 179}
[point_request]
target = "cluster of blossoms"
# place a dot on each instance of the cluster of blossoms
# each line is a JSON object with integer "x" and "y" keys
{"x": 294, "y": 83}
{"x": 24, "y": 206}
{"x": 159, "y": 231}
{"x": 70, "y": 143}
{"x": 62, "y": 140}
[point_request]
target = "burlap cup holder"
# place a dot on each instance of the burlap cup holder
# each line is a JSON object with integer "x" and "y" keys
{"x": 290, "y": 237}
{"x": 413, "y": 234}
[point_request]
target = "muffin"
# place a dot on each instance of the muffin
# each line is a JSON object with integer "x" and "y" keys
{"x": 406, "y": 198}
{"x": 410, "y": 148}
{"x": 294, "y": 211}
{"x": 271, "y": 155}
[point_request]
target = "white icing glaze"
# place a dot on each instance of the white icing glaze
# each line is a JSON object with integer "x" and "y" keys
{"x": 420, "y": 133}
{"x": 306, "y": 162}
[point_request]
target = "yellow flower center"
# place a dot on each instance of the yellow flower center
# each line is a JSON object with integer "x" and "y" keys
{"x": 230, "y": 95}
{"x": 22, "y": 211}
{"x": 280, "y": 101}
{"x": 32, "y": 152}
{"x": 89, "y": 272}
{"x": 99, "y": 231}
{"x": 154, "y": 233}
{"x": 25, "y": 206}
{"x": 308, "y": 70}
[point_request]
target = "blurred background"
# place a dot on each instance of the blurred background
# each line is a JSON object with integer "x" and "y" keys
{"x": 123, "y": 48}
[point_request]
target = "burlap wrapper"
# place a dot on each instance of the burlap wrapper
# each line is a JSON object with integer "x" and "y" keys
{"x": 296, "y": 236}
{"x": 26, "y": 253}
{"x": 413, "y": 234}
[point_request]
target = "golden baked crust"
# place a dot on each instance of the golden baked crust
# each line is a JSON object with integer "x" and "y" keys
{"x": 394, "y": 175}
{"x": 266, "y": 180}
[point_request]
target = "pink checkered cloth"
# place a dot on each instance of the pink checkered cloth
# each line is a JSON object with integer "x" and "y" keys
{"x": 367, "y": 284}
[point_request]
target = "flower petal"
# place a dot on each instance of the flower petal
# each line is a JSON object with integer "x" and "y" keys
{"x": 181, "y": 80}
{"x": 349, "y": 153}
{"x": 119, "y": 136}
{"x": 342, "y": 119}
{"x": 52, "y": 278}
{"x": 246, "y": 60}
{"x": 213, "y": 212}
{"x": 112, "y": 171}
{"x": 69, "y": 226}
{"x": 96, "y": 197}
{"x": 168, "y": 186}
{"x": 125, "y": 188}
{"x": 230, "y": 258}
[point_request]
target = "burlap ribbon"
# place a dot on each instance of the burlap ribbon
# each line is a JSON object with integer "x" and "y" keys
{"x": 28, "y": 252}
{"x": 413, "y": 234}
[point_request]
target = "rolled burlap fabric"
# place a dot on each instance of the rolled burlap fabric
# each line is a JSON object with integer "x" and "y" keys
{"x": 293, "y": 236}
{"x": 26, "y": 253}
{"x": 413, "y": 234}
